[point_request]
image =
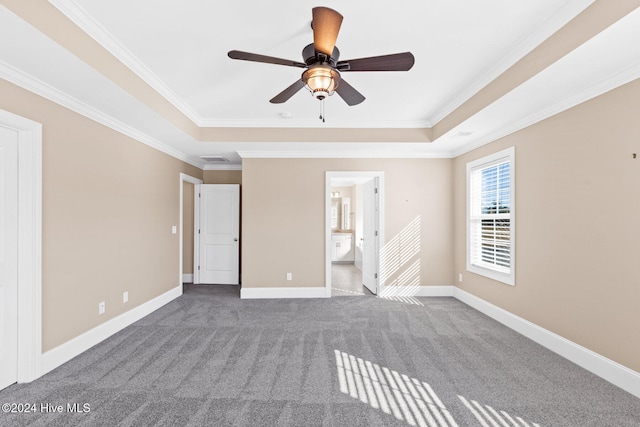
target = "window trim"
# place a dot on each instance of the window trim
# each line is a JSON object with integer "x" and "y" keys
{"x": 488, "y": 161}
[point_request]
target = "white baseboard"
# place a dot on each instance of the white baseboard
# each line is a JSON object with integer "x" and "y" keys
{"x": 417, "y": 291}
{"x": 320, "y": 292}
{"x": 67, "y": 351}
{"x": 617, "y": 374}
{"x": 187, "y": 278}
{"x": 256, "y": 293}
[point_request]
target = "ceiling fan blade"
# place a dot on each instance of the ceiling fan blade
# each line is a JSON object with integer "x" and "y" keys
{"x": 246, "y": 56}
{"x": 287, "y": 93}
{"x": 326, "y": 25}
{"x": 349, "y": 94}
{"x": 394, "y": 62}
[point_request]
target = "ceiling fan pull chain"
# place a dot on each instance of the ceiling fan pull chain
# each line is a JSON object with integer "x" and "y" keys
{"x": 322, "y": 110}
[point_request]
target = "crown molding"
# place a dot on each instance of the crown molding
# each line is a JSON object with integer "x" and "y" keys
{"x": 315, "y": 123}
{"x": 605, "y": 84}
{"x": 556, "y": 21}
{"x": 79, "y": 16}
{"x": 46, "y": 91}
{"x": 229, "y": 167}
{"x": 339, "y": 154}
{"x": 86, "y": 23}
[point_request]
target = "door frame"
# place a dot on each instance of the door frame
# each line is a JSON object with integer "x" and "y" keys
{"x": 196, "y": 232}
{"x": 329, "y": 176}
{"x": 29, "y": 244}
{"x": 196, "y": 182}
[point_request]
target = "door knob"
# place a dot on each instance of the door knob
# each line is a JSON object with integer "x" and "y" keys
{"x": 235, "y": 239}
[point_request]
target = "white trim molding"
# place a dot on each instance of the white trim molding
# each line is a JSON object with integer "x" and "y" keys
{"x": 72, "y": 10}
{"x": 290, "y": 292}
{"x": 313, "y": 123}
{"x": 607, "y": 369}
{"x": 40, "y": 88}
{"x": 187, "y": 278}
{"x": 227, "y": 167}
{"x": 594, "y": 90}
{"x": 388, "y": 153}
{"x": 29, "y": 244}
{"x": 558, "y": 19}
{"x": 196, "y": 182}
{"x": 317, "y": 292}
{"x": 418, "y": 291}
{"x": 67, "y": 351}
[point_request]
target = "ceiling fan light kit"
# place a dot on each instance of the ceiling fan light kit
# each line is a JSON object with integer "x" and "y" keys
{"x": 321, "y": 80}
{"x": 321, "y": 62}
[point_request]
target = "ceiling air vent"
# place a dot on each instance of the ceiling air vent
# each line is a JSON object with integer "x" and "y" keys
{"x": 463, "y": 134}
{"x": 214, "y": 159}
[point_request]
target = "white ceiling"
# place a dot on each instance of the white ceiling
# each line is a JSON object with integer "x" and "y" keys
{"x": 180, "y": 49}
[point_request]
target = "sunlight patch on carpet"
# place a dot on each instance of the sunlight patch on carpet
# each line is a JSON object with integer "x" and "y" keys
{"x": 489, "y": 417}
{"x": 396, "y": 394}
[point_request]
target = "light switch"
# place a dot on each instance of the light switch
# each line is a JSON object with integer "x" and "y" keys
{"x": 174, "y": 229}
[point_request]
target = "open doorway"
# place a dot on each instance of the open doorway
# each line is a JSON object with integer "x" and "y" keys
{"x": 188, "y": 218}
{"x": 353, "y": 232}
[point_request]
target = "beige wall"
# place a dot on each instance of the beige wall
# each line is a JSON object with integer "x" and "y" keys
{"x": 577, "y": 225}
{"x": 109, "y": 203}
{"x": 222, "y": 177}
{"x": 283, "y": 216}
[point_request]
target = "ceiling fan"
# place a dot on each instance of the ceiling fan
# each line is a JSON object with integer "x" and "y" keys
{"x": 322, "y": 65}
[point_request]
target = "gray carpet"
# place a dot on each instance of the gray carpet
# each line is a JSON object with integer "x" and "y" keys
{"x": 209, "y": 358}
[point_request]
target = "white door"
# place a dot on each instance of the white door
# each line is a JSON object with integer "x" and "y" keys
{"x": 8, "y": 257}
{"x": 370, "y": 235}
{"x": 219, "y": 234}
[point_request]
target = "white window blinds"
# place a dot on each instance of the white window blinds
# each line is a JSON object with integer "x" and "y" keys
{"x": 490, "y": 217}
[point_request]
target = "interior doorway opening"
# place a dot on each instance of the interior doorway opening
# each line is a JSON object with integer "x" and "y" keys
{"x": 353, "y": 232}
{"x": 188, "y": 219}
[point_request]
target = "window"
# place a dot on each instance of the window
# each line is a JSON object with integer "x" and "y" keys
{"x": 490, "y": 216}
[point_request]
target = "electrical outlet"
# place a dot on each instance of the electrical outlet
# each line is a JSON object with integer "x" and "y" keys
{"x": 125, "y": 297}
{"x": 459, "y": 277}
{"x": 174, "y": 229}
{"x": 289, "y": 276}
{"x": 101, "y": 307}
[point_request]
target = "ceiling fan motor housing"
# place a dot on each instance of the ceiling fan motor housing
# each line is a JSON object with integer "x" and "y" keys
{"x": 311, "y": 56}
